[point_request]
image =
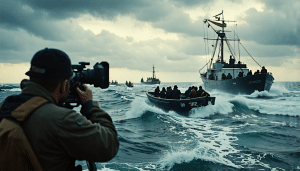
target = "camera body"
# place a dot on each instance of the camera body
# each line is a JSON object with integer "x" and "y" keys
{"x": 99, "y": 77}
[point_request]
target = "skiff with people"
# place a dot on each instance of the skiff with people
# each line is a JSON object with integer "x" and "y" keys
{"x": 114, "y": 83}
{"x": 151, "y": 80}
{"x": 129, "y": 84}
{"x": 232, "y": 77}
{"x": 182, "y": 103}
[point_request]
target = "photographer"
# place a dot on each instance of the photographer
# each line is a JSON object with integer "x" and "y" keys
{"x": 59, "y": 136}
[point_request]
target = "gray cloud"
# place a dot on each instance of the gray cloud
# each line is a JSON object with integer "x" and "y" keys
{"x": 279, "y": 24}
{"x": 191, "y": 3}
{"x": 30, "y": 25}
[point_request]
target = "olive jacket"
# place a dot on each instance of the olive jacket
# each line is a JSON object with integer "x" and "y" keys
{"x": 59, "y": 136}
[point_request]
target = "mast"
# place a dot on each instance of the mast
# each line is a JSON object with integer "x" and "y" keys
{"x": 222, "y": 37}
{"x": 153, "y": 72}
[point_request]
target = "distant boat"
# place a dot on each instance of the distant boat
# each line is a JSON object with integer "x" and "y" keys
{"x": 129, "y": 84}
{"x": 151, "y": 80}
{"x": 231, "y": 77}
{"x": 113, "y": 83}
{"x": 181, "y": 106}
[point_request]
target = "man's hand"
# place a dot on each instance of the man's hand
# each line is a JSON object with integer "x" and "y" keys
{"x": 85, "y": 95}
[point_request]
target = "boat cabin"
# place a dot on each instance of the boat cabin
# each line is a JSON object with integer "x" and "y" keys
{"x": 219, "y": 68}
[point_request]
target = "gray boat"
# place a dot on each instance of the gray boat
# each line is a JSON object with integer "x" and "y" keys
{"x": 181, "y": 106}
{"x": 151, "y": 80}
{"x": 232, "y": 77}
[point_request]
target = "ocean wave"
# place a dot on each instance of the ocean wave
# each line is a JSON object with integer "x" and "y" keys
{"x": 186, "y": 156}
{"x": 12, "y": 89}
{"x": 139, "y": 107}
{"x": 222, "y": 106}
{"x": 271, "y": 106}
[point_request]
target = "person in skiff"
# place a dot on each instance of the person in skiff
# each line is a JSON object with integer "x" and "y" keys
{"x": 264, "y": 70}
{"x": 169, "y": 92}
{"x": 187, "y": 92}
{"x": 249, "y": 73}
{"x": 223, "y": 76}
{"x": 58, "y": 136}
{"x": 176, "y": 93}
{"x": 162, "y": 93}
{"x": 156, "y": 92}
{"x": 201, "y": 92}
{"x": 193, "y": 92}
{"x": 229, "y": 76}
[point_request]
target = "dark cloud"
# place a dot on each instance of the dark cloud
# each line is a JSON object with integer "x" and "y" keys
{"x": 30, "y": 25}
{"x": 191, "y": 3}
{"x": 278, "y": 24}
{"x": 179, "y": 22}
{"x": 72, "y": 8}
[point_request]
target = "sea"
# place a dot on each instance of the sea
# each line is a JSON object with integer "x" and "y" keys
{"x": 260, "y": 131}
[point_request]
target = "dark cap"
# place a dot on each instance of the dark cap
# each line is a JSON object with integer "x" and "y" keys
{"x": 50, "y": 63}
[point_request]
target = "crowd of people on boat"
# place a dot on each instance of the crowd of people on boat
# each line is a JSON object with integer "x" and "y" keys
{"x": 191, "y": 92}
{"x": 241, "y": 74}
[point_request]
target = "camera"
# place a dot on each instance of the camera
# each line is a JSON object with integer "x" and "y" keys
{"x": 99, "y": 77}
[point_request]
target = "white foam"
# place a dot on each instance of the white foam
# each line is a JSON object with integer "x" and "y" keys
{"x": 222, "y": 106}
{"x": 271, "y": 106}
{"x": 13, "y": 89}
{"x": 139, "y": 107}
{"x": 186, "y": 156}
{"x": 214, "y": 143}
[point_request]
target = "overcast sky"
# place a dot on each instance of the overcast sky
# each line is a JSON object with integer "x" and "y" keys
{"x": 134, "y": 35}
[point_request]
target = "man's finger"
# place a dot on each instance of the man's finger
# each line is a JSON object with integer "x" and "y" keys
{"x": 78, "y": 90}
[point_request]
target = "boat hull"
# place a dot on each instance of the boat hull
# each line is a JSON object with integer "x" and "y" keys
{"x": 153, "y": 82}
{"x": 181, "y": 106}
{"x": 240, "y": 85}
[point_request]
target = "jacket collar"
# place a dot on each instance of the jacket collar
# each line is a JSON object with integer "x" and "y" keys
{"x": 32, "y": 88}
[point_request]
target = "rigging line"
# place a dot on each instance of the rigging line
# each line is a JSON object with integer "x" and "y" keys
{"x": 214, "y": 52}
{"x": 237, "y": 35}
{"x": 228, "y": 44}
{"x": 204, "y": 44}
{"x": 230, "y": 48}
{"x": 250, "y": 55}
{"x": 219, "y": 52}
{"x": 207, "y": 41}
{"x": 204, "y": 66}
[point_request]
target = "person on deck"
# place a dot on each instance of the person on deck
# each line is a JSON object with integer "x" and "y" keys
{"x": 257, "y": 72}
{"x": 264, "y": 70}
{"x": 223, "y": 76}
{"x": 176, "y": 93}
{"x": 162, "y": 93}
{"x": 229, "y": 76}
{"x": 240, "y": 74}
{"x": 249, "y": 73}
{"x": 156, "y": 92}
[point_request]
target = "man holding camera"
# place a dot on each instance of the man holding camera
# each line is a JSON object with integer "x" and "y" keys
{"x": 59, "y": 136}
